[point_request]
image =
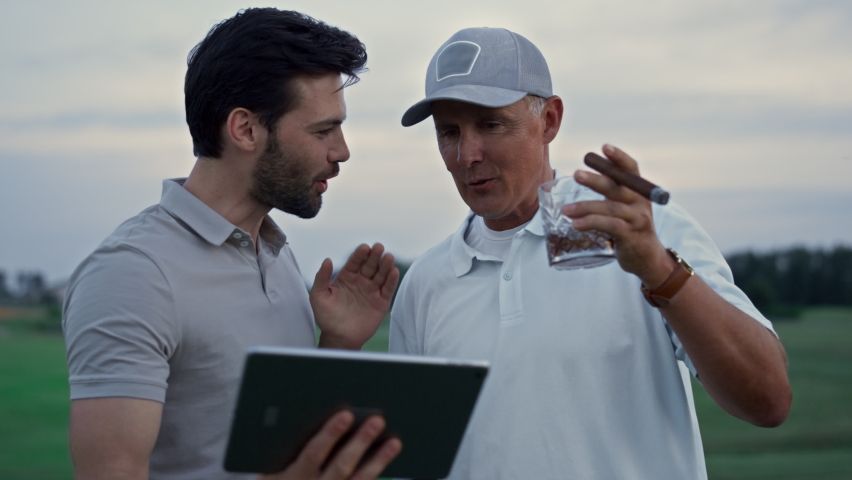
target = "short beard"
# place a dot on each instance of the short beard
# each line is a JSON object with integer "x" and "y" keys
{"x": 280, "y": 181}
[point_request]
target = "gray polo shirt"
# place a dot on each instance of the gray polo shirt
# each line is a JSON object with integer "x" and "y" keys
{"x": 164, "y": 310}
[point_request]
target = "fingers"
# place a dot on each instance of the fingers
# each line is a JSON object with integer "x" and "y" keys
{"x": 607, "y": 187}
{"x": 611, "y": 209}
{"x": 390, "y": 284}
{"x": 616, "y": 227}
{"x": 615, "y": 218}
{"x": 347, "y": 459}
{"x": 323, "y": 276}
{"x": 357, "y": 258}
{"x": 385, "y": 266}
{"x": 371, "y": 264}
{"x": 620, "y": 158}
{"x": 387, "y": 276}
{"x": 377, "y": 463}
{"x": 314, "y": 455}
{"x": 623, "y": 208}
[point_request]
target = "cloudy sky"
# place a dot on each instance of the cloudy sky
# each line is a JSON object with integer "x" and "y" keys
{"x": 743, "y": 110}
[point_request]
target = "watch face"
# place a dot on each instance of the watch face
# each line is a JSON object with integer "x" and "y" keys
{"x": 687, "y": 265}
{"x": 680, "y": 259}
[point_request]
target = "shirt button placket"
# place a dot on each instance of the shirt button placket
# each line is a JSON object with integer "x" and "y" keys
{"x": 511, "y": 310}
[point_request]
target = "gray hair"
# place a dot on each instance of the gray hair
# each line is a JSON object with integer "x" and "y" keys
{"x": 535, "y": 104}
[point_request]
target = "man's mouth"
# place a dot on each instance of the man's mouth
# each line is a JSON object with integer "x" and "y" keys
{"x": 323, "y": 181}
{"x": 476, "y": 183}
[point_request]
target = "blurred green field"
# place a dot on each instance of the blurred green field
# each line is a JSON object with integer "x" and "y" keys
{"x": 33, "y": 406}
{"x": 814, "y": 444}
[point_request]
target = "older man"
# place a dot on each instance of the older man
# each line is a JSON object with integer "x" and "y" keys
{"x": 589, "y": 378}
{"x": 157, "y": 320}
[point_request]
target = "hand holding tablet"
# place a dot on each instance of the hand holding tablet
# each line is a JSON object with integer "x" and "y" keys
{"x": 320, "y": 460}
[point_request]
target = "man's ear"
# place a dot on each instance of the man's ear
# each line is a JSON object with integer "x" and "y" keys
{"x": 244, "y": 131}
{"x": 552, "y": 116}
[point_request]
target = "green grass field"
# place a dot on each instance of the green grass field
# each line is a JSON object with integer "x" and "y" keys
{"x": 814, "y": 444}
{"x": 33, "y": 407}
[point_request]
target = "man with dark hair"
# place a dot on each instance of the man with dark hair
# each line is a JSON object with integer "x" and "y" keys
{"x": 158, "y": 318}
{"x": 589, "y": 375}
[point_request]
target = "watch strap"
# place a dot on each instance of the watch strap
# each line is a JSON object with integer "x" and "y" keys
{"x": 661, "y": 296}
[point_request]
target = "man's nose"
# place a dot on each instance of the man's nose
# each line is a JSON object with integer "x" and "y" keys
{"x": 339, "y": 152}
{"x": 469, "y": 149}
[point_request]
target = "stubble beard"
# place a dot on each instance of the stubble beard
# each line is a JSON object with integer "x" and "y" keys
{"x": 281, "y": 181}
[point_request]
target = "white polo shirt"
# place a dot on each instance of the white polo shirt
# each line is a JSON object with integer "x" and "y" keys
{"x": 587, "y": 379}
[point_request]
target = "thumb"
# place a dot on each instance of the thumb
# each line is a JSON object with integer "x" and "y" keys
{"x": 323, "y": 277}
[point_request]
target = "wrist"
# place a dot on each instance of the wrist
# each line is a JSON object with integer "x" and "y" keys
{"x": 659, "y": 269}
{"x": 338, "y": 342}
{"x": 661, "y": 295}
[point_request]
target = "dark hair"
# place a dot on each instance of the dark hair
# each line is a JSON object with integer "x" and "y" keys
{"x": 250, "y": 60}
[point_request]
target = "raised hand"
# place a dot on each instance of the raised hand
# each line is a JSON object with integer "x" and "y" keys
{"x": 625, "y": 215}
{"x": 348, "y": 310}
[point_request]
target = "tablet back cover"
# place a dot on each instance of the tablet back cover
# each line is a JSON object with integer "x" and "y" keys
{"x": 284, "y": 399}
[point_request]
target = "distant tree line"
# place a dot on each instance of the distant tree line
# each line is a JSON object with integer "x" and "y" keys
{"x": 781, "y": 282}
{"x": 30, "y": 288}
{"x": 778, "y": 282}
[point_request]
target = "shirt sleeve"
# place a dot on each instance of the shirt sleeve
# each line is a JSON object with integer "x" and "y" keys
{"x": 118, "y": 322}
{"x": 679, "y": 231}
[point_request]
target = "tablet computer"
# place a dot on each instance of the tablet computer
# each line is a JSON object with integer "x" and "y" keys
{"x": 286, "y": 395}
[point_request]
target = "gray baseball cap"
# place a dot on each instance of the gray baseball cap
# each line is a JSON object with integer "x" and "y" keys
{"x": 492, "y": 67}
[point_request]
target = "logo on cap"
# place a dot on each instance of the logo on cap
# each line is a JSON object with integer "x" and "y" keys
{"x": 456, "y": 59}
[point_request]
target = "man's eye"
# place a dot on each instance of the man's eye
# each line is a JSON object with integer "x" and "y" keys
{"x": 492, "y": 125}
{"x": 446, "y": 133}
{"x": 325, "y": 132}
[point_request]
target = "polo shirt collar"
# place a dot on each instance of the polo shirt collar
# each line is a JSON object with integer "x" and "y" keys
{"x": 272, "y": 235}
{"x": 535, "y": 226}
{"x": 206, "y": 222}
{"x": 462, "y": 254}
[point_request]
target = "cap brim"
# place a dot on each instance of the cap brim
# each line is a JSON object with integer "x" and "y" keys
{"x": 492, "y": 97}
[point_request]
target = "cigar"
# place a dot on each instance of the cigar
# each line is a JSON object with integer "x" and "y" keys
{"x": 623, "y": 177}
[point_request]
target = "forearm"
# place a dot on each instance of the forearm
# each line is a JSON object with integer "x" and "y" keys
{"x": 741, "y": 364}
